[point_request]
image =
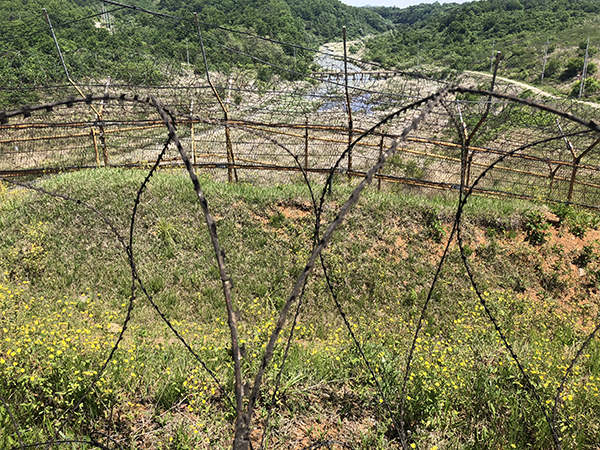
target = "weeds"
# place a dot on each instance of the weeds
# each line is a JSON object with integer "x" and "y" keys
{"x": 536, "y": 227}
{"x": 577, "y": 221}
{"x": 588, "y": 254}
{"x": 434, "y": 226}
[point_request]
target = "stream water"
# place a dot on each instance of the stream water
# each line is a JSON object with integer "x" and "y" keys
{"x": 334, "y": 93}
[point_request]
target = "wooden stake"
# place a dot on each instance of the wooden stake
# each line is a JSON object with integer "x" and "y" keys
{"x": 306, "y": 145}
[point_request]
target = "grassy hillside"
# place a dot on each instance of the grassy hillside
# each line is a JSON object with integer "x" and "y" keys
{"x": 464, "y": 37}
{"x": 66, "y": 285}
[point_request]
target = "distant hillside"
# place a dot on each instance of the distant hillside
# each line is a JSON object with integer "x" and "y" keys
{"x": 463, "y": 36}
{"x": 325, "y": 18}
{"x": 136, "y": 48}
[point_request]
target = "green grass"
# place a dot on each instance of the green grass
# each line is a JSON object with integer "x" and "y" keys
{"x": 66, "y": 283}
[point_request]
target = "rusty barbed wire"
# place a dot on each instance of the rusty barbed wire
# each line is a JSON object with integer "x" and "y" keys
{"x": 485, "y": 142}
{"x": 583, "y": 133}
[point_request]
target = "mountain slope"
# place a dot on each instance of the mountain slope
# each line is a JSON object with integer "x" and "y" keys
{"x": 464, "y": 36}
{"x": 139, "y": 48}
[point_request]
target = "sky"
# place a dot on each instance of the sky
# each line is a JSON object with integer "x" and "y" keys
{"x": 398, "y": 3}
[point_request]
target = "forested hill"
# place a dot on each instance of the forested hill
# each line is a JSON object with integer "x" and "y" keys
{"x": 314, "y": 21}
{"x": 463, "y": 36}
{"x": 325, "y": 19}
{"x": 139, "y": 48}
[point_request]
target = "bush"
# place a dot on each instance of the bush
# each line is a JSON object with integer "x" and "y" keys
{"x": 536, "y": 227}
{"x": 574, "y": 66}
{"x": 592, "y": 86}
{"x": 552, "y": 67}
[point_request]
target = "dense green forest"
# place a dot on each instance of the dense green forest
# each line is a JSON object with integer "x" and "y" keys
{"x": 465, "y": 36}
{"x": 139, "y": 48}
{"x": 136, "y": 48}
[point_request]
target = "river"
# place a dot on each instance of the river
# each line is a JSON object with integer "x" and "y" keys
{"x": 333, "y": 92}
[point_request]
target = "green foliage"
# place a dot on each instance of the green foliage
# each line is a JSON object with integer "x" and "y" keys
{"x": 138, "y": 48}
{"x": 553, "y": 67}
{"x": 56, "y": 333}
{"x": 536, "y": 227}
{"x": 588, "y": 254}
{"x": 434, "y": 226}
{"x": 277, "y": 220}
{"x": 577, "y": 220}
{"x": 592, "y": 51}
{"x": 27, "y": 255}
{"x": 592, "y": 86}
{"x": 324, "y": 19}
{"x": 462, "y": 36}
{"x": 573, "y": 67}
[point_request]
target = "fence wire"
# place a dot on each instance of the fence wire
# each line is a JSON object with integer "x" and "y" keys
{"x": 559, "y": 164}
{"x": 288, "y": 123}
{"x": 522, "y": 149}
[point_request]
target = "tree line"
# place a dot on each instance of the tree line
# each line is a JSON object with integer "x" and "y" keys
{"x": 465, "y": 36}
{"x": 138, "y": 48}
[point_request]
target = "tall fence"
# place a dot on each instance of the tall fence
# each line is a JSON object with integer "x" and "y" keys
{"x": 543, "y": 155}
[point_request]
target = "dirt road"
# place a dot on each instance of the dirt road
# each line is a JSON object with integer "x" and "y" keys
{"x": 527, "y": 86}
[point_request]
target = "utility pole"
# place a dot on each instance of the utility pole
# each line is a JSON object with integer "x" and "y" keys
{"x": 545, "y": 58}
{"x": 97, "y": 112}
{"x": 57, "y": 46}
{"x": 187, "y": 52}
{"x": 110, "y": 23}
{"x": 583, "y": 72}
{"x": 493, "y": 56}
{"x": 418, "y": 53}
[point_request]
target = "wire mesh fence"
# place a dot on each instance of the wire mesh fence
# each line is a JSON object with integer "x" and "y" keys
{"x": 492, "y": 143}
{"x": 556, "y": 160}
{"x": 287, "y": 122}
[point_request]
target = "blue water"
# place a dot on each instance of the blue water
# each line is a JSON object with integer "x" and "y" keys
{"x": 361, "y": 103}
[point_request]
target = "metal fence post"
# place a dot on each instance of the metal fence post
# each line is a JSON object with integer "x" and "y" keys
{"x": 306, "y": 145}
{"x": 379, "y": 171}
{"x": 348, "y": 105}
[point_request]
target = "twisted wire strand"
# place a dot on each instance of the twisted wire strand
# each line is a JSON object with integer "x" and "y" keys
{"x": 328, "y": 443}
{"x": 91, "y": 442}
{"x": 324, "y": 240}
{"x": 551, "y": 421}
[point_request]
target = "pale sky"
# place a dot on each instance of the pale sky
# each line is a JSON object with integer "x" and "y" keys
{"x": 398, "y": 3}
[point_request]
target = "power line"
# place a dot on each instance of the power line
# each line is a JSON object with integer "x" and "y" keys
{"x": 231, "y": 30}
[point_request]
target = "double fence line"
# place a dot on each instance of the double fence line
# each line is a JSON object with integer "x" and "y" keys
{"x": 550, "y": 171}
{"x": 420, "y": 111}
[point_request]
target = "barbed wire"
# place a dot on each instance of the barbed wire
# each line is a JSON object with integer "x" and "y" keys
{"x": 425, "y": 129}
{"x": 428, "y": 116}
